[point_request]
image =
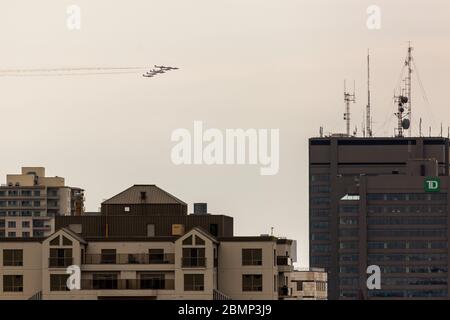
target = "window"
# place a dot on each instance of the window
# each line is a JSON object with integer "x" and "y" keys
{"x": 11, "y": 234}
{"x": 150, "y": 230}
{"x": 38, "y": 233}
{"x": 66, "y": 242}
{"x": 2, "y": 223}
{"x": 13, "y": 283}
{"x": 126, "y": 209}
{"x": 251, "y": 257}
{"x": 152, "y": 281}
{"x": 193, "y": 257}
{"x": 199, "y": 241}
{"x": 25, "y": 234}
{"x": 11, "y": 224}
{"x": 252, "y": 282}
{"x": 194, "y": 282}
{"x": 55, "y": 241}
{"x": 104, "y": 281}
{"x": 188, "y": 241}
{"x": 25, "y": 224}
{"x": 108, "y": 256}
{"x": 36, "y": 204}
{"x": 58, "y": 282}
{"x": 37, "y": 223}
{"x": 60, "y": 258}
{"x": 13, "y": 257}
{"x": 37, "y": 193}
{"x": 156, "y": 255}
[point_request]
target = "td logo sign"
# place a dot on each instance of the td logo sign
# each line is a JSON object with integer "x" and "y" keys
{"x": 432, "y": 185}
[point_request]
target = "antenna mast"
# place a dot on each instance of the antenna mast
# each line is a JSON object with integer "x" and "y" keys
{"x": 368, "y": 118}
{"x": 404, "y": 100}
{"x": 348, "y": 97}
{"x": 408, "y": 63}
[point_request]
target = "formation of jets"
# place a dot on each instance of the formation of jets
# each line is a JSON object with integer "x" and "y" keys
{"x": 158, "y": 70}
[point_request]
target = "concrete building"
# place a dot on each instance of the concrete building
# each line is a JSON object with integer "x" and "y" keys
{"x": 144, "y": 245}
{"x": 309, "y": 284}
{"x": 29, "y": 200}
{"x": 195, "y": 265}
{"x": 384, "y": 202}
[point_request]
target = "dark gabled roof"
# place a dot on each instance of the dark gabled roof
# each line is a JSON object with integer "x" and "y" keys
{"x": 154, "y": 195}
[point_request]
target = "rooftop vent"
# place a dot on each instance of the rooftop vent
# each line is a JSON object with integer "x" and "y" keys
{"x": 200, "y": 208}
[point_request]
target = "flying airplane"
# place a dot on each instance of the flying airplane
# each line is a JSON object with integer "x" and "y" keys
{"x": 166, "y": 68}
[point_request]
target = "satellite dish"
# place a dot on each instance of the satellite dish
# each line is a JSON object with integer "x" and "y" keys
{"x": 404, "y": 99}
{"x": 405, "y": 124}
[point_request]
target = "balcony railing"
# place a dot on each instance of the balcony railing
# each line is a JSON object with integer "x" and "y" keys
{"x": 57, "y": 262}
{"x": 128, "y": 284}
{"x": 193, "y": 262}
{"x": 130, "y": 258}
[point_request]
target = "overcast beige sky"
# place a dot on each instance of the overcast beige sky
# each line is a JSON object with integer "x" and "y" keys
{"x": 244, "y": 64}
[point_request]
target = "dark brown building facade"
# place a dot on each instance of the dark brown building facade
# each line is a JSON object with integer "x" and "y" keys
{"x": 146, "y": 211}
{"x": 384, "y": 202}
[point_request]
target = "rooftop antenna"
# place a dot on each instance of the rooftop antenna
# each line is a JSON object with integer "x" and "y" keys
{"x": 420, "y": 127}
{"x": 404, "y": 100}
{"x": 448, "y": 132}
{"x": 321, "y": 132}
{"x": 363, "y": 128}
{"x": 441, "y": 129}
{"x": 368, "y": 117}
{"x": 348, "y": 97}
{"x": 429, "y": 131}
{"x": 408, "y": 63}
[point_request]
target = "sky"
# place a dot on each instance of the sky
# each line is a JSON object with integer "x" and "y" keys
{"x": 243, "y": 64}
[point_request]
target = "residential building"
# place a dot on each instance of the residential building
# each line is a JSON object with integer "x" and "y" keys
{"x": 309, "y": 284}
{"x": 382, "y": 202}
{"x": 29, "y": 200}
{"x": 195, "y": 265}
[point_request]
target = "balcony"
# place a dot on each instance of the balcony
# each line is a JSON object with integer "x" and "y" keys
{"x": 57, "y": 262}
{"x": 129, "y": 258}
{"x": 283, "y": 261}
{"x": 193, "y": 262}
{"x": 128, "y": 284}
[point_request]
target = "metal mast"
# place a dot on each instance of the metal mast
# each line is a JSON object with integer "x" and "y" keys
{"x": 368, "y": 117}
{"x": 404, "y": 99}
{"x": 348, "y": 97}
{"x": 408, "y": 63}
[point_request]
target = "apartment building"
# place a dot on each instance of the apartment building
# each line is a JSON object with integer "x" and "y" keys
{"x": 309, "y": 284}
{"x": 29, "y": 200}
{"x": 195, "y": 265}
{"x": 384, "y": 202}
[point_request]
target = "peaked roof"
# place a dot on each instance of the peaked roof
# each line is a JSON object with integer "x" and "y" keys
{"x": 202, "y": 232}
{"x": 70, "y": 233}
{"x": 154, "y": 195}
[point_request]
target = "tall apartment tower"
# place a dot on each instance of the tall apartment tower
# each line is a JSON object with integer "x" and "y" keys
{"x": 383, "y": 202}
{"x": 29, "y": 200}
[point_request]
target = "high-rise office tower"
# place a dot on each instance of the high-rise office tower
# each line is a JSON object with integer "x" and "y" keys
{"x": 383, "y": 202}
